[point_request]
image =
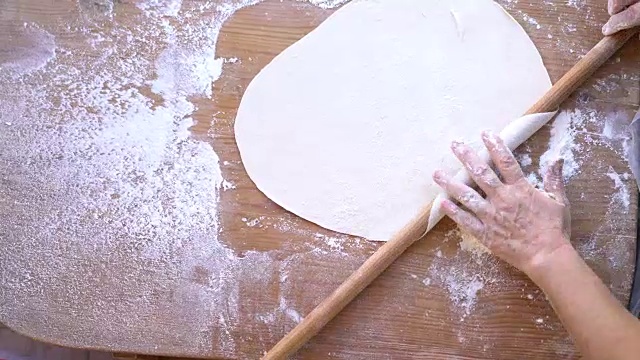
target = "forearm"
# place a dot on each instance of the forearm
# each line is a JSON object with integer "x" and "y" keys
{"x": 599, "y": 324}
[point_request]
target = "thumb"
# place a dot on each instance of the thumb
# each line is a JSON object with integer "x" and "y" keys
{"x": 623, "y": 20}
{"x": 616, "y": 6}
{"x": 554, "y": 182}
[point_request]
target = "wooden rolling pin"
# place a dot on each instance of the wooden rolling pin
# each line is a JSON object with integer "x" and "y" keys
{"x": 412, "y": 232}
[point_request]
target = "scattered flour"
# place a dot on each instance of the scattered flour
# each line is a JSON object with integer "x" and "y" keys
{"x": 530, "y": 20}
{"x": 159, "y": 8}
{"x": 464, "y": 276}
{"x": 31, "y": 48}
{"x": 328, "y": 4}
{"x": 609, "y": 130}
{"x": 609, "y": 84}
{"x": 563, "y": 143}
{"x": 525, "y": 160}
{"x": 100, "y": 162}
{"x": 535, "y": 180}
{"x": 462, "y": 286}
{"x": 574, "y": 132}
{"x": 608, "y": 243}
{"x": 621, "y": 196}
{"x": 578, "y": 4}
{"x": 570, "y": 28}
{"x": 105, "y": 153}
{"x": 464, "y": 293}
{"x": 292, "y": 314}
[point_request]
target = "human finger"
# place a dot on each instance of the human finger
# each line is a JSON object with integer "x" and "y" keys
{"x": 624, "y": 20}
{"x": 461, "y": 192}
{"x": 479, "y": 171}
{"x": 465, "y": 220}
{"x": 503, "y": 158}
{"x": 554, "y": 183}
{"x": 616, "y": 6}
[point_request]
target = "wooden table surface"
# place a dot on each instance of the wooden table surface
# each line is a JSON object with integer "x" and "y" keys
{"x": 235, "y": 291}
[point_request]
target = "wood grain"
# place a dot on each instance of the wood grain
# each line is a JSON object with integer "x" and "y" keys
{"x": 348, "y": 290}
{"x": 408, "y": 312}
{"x": 581, "y": 72}
{"x": 407, "y": 236}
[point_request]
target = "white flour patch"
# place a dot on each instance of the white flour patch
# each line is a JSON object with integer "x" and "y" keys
{"x": 227, "y": 185}
{"x": 578, "y": 4}
{"x": 464, "y": 292}
{"x": 535, "y": 180}
{"x": 465, "y": 276}
{"x": 292, "y": 314}
{"x": 615, "y": 133}
{"x": 621, "y": 197}
{"x": 609, "y": 84}
{"x": 158, "y": 8}
{"x": 608, "y": 130}
{"x": 508, "y": 4}
{"x": 575, "y": 132}
{"x": 570, "y": 28}
{"x": 125, "y": 167}
{"x": 253, "y": 222}
{"x": 335, "y": 243}
{"x": 530, "y": 20}
{"x": 99, "y": 158}
{"x": 616, "y": 247}
{"x": 28, "y": 49}
{"x": 563, "y": 144}
{"x": 525, "y": 160}
{"x": 328, "y": 4}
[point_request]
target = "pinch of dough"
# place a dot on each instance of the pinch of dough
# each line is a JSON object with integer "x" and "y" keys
{"x": 346, "y": 126}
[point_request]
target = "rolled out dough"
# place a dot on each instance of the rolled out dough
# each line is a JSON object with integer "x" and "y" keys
{"x": 346, "y": 126}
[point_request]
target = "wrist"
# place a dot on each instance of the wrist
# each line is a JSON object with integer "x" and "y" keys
{"x": 547, "y": 264}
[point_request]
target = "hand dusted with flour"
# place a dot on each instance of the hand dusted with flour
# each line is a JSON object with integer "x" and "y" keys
{"x": 625, "y": 14}
{"x": 516, "y": 221}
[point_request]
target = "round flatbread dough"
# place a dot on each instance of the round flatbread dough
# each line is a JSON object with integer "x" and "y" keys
{"x": 346, "y": 126}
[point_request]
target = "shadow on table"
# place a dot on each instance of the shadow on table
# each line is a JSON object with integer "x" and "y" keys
{"x": 17, "y": 347}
